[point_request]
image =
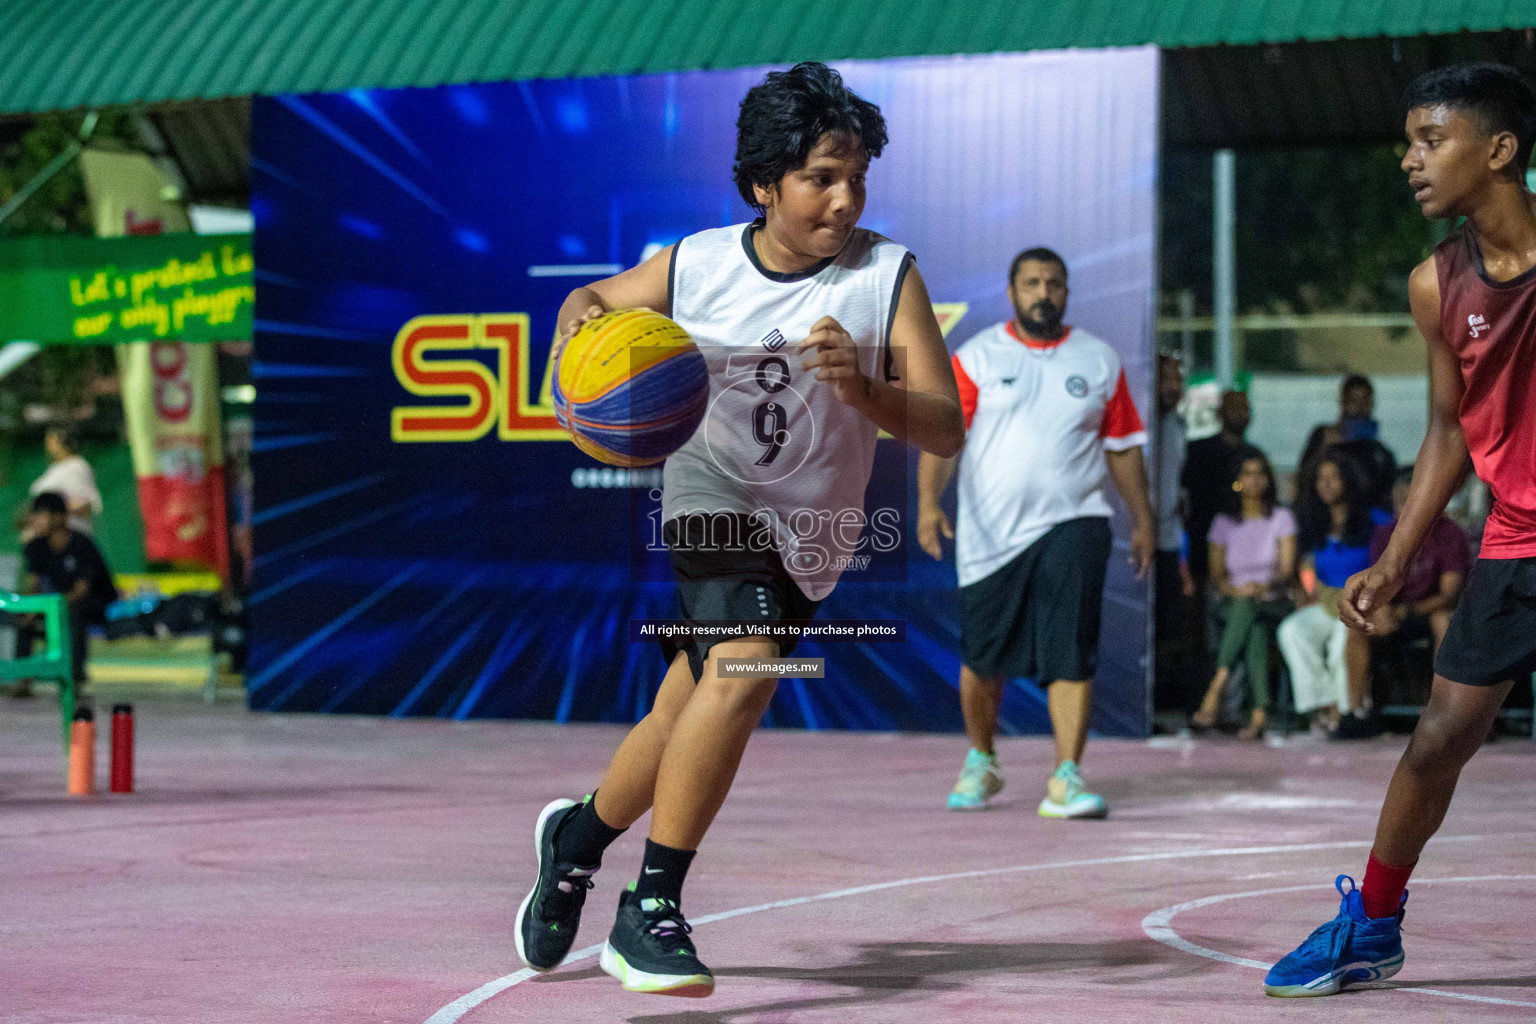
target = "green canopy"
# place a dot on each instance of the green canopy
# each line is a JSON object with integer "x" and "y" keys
{"x": 98, "y": 52}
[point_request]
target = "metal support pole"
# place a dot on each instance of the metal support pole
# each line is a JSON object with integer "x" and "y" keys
{"x": 1224, "y": 269}
{"x": 14, "y": 353}
{"x": 1187, "y": 330}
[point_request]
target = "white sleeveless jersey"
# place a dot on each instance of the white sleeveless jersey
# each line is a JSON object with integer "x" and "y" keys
{"x": 775, "y": 439}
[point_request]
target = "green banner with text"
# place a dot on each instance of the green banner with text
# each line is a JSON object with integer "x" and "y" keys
{"x": 67, "y": 289}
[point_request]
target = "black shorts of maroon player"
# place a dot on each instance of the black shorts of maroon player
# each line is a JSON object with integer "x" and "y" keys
{"x": 722, "y": 577}
{"x": 1492, "y": 636}
{"x": 1038, "y": 616}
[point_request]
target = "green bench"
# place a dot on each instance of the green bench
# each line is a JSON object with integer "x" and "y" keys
{"x": 56, "y": 661}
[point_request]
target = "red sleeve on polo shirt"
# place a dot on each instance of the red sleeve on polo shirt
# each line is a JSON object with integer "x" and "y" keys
{"x": 967, "y": 390}
{"x": 1122, "y": 423}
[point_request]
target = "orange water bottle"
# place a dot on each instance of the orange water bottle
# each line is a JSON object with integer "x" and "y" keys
{"x": 82, "y": 753}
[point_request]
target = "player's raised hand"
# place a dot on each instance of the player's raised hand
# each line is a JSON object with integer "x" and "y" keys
{"x": 930, "y": 523}
{"x": 835, "y": 360}
{"x": 1366, "y": 591}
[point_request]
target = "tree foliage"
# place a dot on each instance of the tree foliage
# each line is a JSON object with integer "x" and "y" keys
{"x": 60, "y": 205}
{"x": 61, "y": 376}
{"x": 1317, "y": 230}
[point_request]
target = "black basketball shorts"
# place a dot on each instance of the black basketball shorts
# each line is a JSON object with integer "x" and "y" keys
{"x": 721, "y": 577}
{"x": 1492, "y": 636}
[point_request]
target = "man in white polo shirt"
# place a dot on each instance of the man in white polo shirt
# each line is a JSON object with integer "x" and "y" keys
{"x": 1047, "y": 412}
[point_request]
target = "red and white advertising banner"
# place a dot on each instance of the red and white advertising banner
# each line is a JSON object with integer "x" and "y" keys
{"x": 171, "y": 405}
{"x": 170, "y": 389}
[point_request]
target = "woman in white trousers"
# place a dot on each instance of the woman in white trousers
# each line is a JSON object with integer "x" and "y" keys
{"x": 1312, "y": 642}
{"x": 1335, "y": 535}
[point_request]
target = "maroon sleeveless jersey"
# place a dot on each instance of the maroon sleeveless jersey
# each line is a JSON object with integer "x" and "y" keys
{"x": 1491, "y": 326}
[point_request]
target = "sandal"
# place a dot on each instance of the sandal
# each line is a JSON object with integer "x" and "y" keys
{"x": 1254, "y": 730}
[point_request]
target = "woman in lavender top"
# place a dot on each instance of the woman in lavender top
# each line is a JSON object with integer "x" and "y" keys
{"x": 1252, "y": 558}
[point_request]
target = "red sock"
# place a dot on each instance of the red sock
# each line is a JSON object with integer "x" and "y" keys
{"x": 1382, "y": 890}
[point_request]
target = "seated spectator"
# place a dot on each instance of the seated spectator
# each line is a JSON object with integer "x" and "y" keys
{"x": 1334, "y": 536}
{"x": 61, "y": 560}
{"x": 1422, "y": 607}
{"x": 1377, "y": 467}
{"x": 1252, "y": 556}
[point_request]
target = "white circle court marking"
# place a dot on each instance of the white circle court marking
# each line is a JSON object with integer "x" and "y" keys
{"x": 455, "y": 1010}
{"x": 1159, "y": 926}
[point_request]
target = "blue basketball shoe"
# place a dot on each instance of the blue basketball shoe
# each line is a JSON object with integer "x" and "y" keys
{"x": 1350, "y": 948}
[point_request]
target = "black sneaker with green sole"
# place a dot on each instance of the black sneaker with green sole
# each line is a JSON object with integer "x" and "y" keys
{"x": 649, "y": 950}
{"x": 551, "y": 912}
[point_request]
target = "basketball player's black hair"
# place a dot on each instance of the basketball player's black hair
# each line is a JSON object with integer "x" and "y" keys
{"x": 1496, "y": 96}
{"x": 784, "y": 118}
{"x": 1040, "y": 253}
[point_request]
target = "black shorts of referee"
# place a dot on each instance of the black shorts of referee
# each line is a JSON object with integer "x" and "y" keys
{"x": 1038, "y": 615}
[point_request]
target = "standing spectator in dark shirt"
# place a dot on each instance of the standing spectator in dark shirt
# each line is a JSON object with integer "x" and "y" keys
{"x": 1209, "y": 469}
{"x": 61, "y": 560}
{"x": 1173, "y": 586}
{"x": 1355, "y": 436}
{"x": 1169, "y": 468}
{"x": 1357, "y": 406}
{"x": 1430, "y": 588}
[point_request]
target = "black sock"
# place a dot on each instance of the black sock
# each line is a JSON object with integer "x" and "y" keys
{"x": 584, "y": 836}
{"x": 662, "y": 872}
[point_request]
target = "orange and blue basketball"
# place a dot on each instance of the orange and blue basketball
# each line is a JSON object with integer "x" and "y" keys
{"x": 631, "y": 387}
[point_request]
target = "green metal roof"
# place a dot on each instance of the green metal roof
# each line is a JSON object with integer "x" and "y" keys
{"x": 60, "y": 54}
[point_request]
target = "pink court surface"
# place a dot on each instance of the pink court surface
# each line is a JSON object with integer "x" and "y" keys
{"x": 295, "y": 868}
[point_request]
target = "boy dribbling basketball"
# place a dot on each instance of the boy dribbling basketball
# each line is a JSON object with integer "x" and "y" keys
{"x": 818, "y": 334}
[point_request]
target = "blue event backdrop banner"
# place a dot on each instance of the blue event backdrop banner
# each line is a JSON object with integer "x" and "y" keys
{"x": 454, "y": 555}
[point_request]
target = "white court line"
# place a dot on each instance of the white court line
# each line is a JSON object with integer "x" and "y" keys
{"x": 462, "y": 1005}
{"x": 1159, "y": 926}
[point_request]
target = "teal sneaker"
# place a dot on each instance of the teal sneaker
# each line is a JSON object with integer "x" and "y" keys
{"x": 1067, "y": 796}
{"x": 979, "y": 782}
{"x": 1350, "y": 948}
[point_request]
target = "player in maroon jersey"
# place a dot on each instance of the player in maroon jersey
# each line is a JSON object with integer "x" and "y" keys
{"x": 1470, "y": 130}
